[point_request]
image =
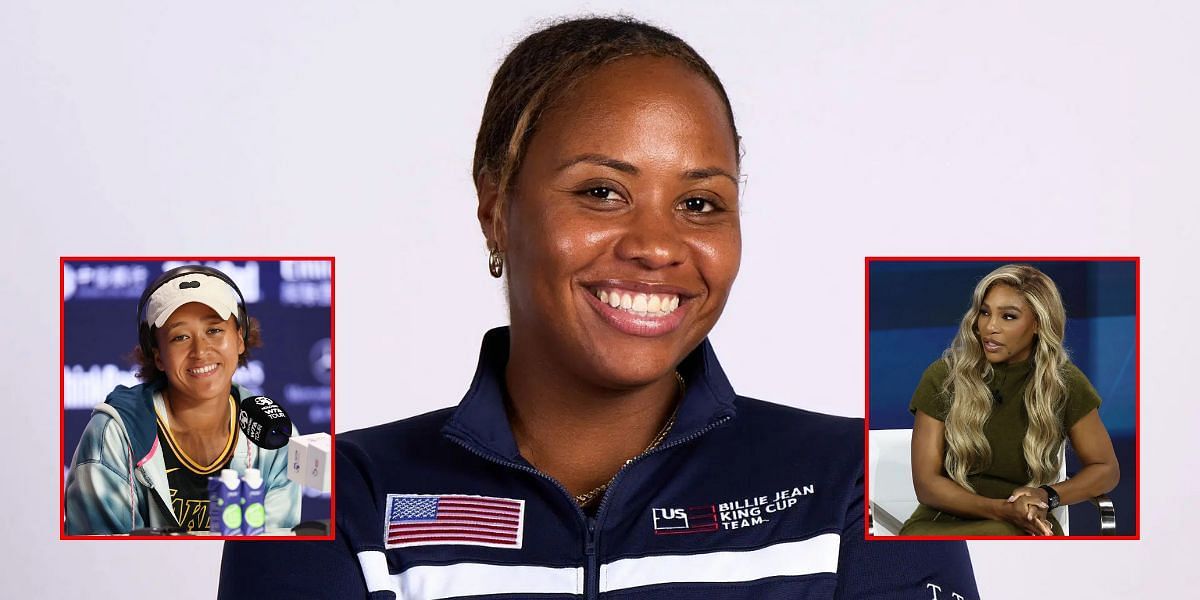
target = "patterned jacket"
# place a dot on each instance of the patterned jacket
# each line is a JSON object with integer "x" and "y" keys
{"x": 118, "y": 480}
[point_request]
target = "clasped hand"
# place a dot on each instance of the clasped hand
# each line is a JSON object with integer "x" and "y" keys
{"x": 1026, "y": 508}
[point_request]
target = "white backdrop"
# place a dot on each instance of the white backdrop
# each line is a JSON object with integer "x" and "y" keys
{"x": 346, "y": 129}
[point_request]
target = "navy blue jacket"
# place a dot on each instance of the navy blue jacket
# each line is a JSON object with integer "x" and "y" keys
{"x": 743, "y": 500}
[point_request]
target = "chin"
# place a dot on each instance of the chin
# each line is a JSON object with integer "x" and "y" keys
{"x": 631, "y": 372}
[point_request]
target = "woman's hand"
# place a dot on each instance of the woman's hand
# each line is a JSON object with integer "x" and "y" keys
{"x": 1037, "y": 493}
{"x": 1036, "y": 509}
{"x": 1026, "y": 512}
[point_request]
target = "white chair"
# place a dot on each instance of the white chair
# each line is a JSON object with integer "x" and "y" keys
{"x": 893, "y": 498}
{"x": 889, "y": 479}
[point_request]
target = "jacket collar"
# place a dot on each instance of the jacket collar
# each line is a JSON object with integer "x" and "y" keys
{"x": 482, "y": 421}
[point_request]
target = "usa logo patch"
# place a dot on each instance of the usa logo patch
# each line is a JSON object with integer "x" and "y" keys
{"x": 453, "y": 519}
{"x": 695, "y": 519}
{"x": 733, "y": 514}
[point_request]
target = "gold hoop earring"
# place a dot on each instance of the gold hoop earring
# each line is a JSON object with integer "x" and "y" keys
{"x": 496, "y": 262}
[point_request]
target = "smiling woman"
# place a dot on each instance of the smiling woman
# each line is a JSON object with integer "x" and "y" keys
{"x": 600, "y": 449}
{"x": 144, "y": 459}
{"x": 991, "y": 416}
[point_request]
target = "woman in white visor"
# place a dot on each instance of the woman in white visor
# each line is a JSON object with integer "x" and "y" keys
{"x": 145, "y": 457}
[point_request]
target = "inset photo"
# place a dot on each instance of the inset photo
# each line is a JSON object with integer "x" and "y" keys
{"x": 1002, "y": 398}
{"x": 197, "y": 397}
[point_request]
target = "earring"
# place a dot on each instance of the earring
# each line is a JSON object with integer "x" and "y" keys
{"x": 496, "y": 262}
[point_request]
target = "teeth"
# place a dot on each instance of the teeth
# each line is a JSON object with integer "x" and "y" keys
{"x": 645, "y": 305}
{"x": 639, "y": 303}
{"x": 203, "y": 370}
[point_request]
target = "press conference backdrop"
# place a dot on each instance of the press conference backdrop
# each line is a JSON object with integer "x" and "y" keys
{"x": 915, "y": 308}
{"x": 290, "y": 299}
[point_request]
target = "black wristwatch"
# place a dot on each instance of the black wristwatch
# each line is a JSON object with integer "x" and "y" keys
{"x": 1051, "y": 497}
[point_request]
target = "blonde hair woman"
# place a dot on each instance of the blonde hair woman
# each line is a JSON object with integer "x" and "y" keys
{"x": 991, "y": 415}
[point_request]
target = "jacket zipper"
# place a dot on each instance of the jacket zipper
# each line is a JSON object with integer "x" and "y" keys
{"x": 591, "y": 571}
{"x": 594, "y": 581}
{"x": 157, "y": 500}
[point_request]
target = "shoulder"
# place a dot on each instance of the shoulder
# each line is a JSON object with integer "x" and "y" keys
{"x": 100, "y": 425}
{"x": 133, "y": 408}
{"x": 760, "y": 412}
{"x": 791, "y": 431}
{"x": 928, "y": 397}
{"x": 103, "y": 440}
{"x": 1074, "y": 377}
{"x": 409, "y": 454}
{"x": 1079, "y": 387}
{"x": 405, "y": 437}
{"x": 126, "y": 396}
{"x": 936, "y": 372}
{"x": 1082, "y": 398}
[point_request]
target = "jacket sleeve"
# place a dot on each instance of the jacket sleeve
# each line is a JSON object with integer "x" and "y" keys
{"x": 309, "y": 570}
{"x": 887, "y": 569}
{"x": 100, "y": 495}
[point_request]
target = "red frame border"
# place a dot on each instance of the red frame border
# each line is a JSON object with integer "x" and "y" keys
{"x": 62, "y": 354}
{"x": 1137, "y": 390}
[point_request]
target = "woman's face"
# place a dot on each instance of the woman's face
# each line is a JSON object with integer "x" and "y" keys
{"x": 198, "y": 350}
{"x": 622, "y": 236}
{"x": 1006, "y": 325}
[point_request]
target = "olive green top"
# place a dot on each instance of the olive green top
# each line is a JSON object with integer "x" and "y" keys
{"x": 1005, "y": 428}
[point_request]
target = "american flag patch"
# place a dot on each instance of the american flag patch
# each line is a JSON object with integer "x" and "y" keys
{"x": 424, "y": 519}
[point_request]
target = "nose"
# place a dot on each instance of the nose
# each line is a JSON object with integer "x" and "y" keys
{"x": 991, "y": 323}
{"x": 653, "y": 238}
{"x": 199, "y": 345}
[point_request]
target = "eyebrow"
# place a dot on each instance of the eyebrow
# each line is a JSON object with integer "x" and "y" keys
{"x": 1010, "y": 307}
{"x": 626, "y": 167}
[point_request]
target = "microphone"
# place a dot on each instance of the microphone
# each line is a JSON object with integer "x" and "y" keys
{"x": 264, "y": 422}
{"x": 997, "y": 396}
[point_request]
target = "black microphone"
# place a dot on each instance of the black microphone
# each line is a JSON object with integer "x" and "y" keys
{"x": 264, "y": 422}
{"x": 997, "y": 396}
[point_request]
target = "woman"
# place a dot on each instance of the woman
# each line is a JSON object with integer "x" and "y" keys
{"x": 145, "y": 457}
{"x": 991, "y": 416}
{"x": 600, "y": 448}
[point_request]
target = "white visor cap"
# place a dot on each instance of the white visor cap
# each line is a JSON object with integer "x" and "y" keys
{"x": 210, "y": 291}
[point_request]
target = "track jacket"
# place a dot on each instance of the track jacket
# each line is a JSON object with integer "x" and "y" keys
{"x": 118, "y": 480}
{"x": 743, "y": 500}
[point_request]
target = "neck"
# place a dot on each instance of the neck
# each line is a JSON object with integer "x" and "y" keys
{"x": 576, "y": 431}
{"x": 189, "y": 414}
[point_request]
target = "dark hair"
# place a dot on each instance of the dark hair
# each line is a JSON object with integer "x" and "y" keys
{"x": 148, "y": 371}
{"x": 550, "y": 61}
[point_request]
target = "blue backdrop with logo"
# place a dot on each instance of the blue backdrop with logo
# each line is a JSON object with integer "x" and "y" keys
{"x": 290, "y": 299}
{"x": 915, "y": 308}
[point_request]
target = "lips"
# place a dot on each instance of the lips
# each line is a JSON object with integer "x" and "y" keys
{"x": 203, "y": 370}
{"x": 990, "y": 345}
{"x": 638, "y": 308}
